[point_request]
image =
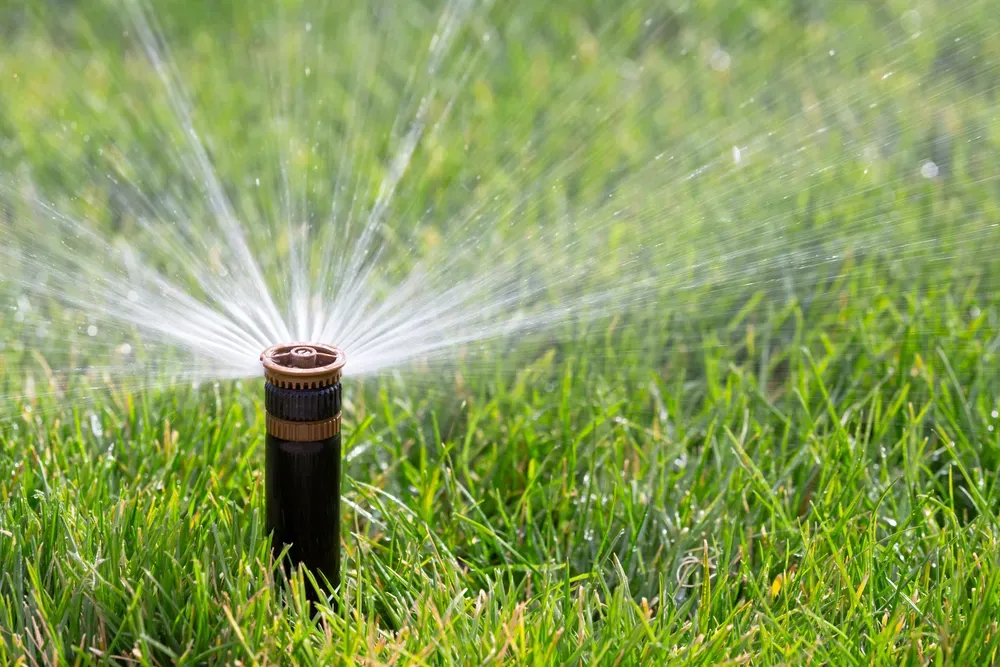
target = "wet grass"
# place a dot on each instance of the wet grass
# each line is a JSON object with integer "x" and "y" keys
{"x": 784, "y": 462}
{"x": 762, "y": 500}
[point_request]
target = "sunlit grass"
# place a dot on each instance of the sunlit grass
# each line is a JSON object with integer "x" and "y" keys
{"x": 788, "y": 456}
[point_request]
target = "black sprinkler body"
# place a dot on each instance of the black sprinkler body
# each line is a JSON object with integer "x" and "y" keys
{"x": 302, "y": 465}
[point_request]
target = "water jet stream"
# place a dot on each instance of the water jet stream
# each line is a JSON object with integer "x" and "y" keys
{"x": 412, "y": 186}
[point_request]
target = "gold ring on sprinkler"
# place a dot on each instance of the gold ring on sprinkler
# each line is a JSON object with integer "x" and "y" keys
{"x": 302, "y": 431}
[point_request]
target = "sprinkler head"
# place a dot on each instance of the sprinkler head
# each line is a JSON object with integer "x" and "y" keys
{"x": 303, "y": 365}
{"x": 302, "y": 398}
{"x": 302, "y": 391}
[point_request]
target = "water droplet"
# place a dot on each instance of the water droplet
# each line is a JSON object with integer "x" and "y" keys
{"x": 720, "y": 61}
{"x": 309, "y": 27}
{"x": 737, "y": 155}
{"x": 95, "y": 426}
{"x": 929, "y": 170}
{"x": 92, "y": 331}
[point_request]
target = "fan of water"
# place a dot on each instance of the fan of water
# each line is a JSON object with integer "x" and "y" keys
{"x": 405, "y": 181}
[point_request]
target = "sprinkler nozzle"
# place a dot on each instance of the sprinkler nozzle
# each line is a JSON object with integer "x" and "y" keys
{"x": 302, "y": 398}
{"x": 303, "y": 365}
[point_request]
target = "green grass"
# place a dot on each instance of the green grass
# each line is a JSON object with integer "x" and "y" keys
{"x": 786, "y": 459}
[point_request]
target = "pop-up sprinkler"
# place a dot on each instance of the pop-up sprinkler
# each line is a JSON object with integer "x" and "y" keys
{"x": 302, "y": 467}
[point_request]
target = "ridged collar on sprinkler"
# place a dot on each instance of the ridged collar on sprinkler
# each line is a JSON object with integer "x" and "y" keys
{"x": 303, "y": 365}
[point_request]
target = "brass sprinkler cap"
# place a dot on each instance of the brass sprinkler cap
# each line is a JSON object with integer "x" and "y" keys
{"x": 303, "y": 365}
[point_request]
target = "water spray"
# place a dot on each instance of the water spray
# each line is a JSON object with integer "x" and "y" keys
{"x": 302, "y": 397}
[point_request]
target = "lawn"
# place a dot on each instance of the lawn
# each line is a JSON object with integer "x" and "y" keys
{"x": 765, "y": 430}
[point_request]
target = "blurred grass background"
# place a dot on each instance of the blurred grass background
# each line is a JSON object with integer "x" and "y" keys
{"x": 785, "y": 452}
